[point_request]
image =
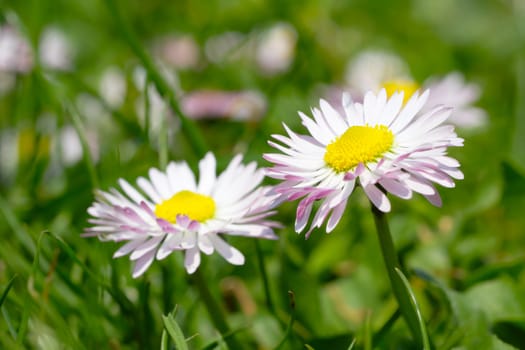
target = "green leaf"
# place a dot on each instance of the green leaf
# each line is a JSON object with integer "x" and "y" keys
{"x": 421, "y": 322}
{"x": 511, "y": 332}
{"x": 472, "y": 311}
{"x": 6, "y": 290}
{"x": 175, "y": 331}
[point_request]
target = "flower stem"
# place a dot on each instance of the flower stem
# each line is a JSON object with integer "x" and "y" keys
{"x": 215, "y": 311}
{"x": 392, "y": 263}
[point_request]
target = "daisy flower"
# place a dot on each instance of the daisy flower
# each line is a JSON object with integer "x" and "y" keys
{"x": 173, "y": 211}
{"x": 382, "y": 144}
{"x": 373, "y": 70}
{"x": 452, "y": 90}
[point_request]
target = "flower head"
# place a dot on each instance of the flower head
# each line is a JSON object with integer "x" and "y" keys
{"x": 382, "y": 144}
{"x": 172, "y": 211}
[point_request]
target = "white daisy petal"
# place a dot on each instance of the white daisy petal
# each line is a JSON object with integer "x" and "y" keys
{"x": 128, "y": 248}
{"x": 230, "y": 254}
{"x": 148, "y": 188}
{"x": 207, "y": 174}
{"x": 192, "y": 260}
{"x": 160, "y": 182}
{"x": 378, "y": 198}
{"x": 142, "y": 264}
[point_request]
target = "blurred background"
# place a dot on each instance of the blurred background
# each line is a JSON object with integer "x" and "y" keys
{"x": 79, "y": 109}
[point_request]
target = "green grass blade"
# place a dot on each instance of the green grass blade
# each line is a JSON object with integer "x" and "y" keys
{"x": 175, "y": 332}
{"x": 164, "y": 341}
{"x": 417, "y": 311}
{"x": 6, "y": 290}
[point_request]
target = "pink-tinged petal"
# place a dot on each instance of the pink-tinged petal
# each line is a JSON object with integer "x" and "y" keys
{"x": 335, "y": 217}
{"x": 128, "y": 247}
{"x": 166, "y": 226}
{"x": 229, "y": 253}
{"x": 319, "y": 217}
{"x": 147, "y": 209}
{"x": 420, "y": 186}
{"x": 129, "y": 214}
{"x": 351, "y": 175}
{"x": 168, "y": 246}
{"x": 146, "y": 247}
{"x": 142, "y": 264}
{"x": 183, "y": 220}
{"x": 205, "y": 245}
{"x": 252, "y": 230}
{"x": 378, "y": 198}
{"x": 187, "y": 224}
{"x": 396, "y": 188}
{"x": 435, "y": 199}
{"x": 192, "y": 260}
{"x": 189, "y": 240}
{"x": 303, "y": 214}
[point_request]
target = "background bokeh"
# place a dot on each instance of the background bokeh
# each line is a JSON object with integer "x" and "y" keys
{"x": 239, "y": 69}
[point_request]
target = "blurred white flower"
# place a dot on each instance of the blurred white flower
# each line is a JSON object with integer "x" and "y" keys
{"x": 276, "y": 49}
{"x": 376, "y": 70}
{"x": 55, "y": 50}
{"x": 222, "y": 46}
{"x": 452, "y": 90}
{"x": 112, "y": 86}
{"x": 179, "y": 52}
{"x": 371, "y": 68}
{"x": 70, "y": 147}
{"x": 243, "y": 105}
{"x": 15, "y": 51}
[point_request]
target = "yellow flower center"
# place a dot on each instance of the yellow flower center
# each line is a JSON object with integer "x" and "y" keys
{"x": 359, "y": 144}
{"x": 407, "y": 86}
{"x": 196, "y": 206}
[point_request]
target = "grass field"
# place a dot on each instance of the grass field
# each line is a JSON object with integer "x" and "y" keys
{"x": 94, "y": 91}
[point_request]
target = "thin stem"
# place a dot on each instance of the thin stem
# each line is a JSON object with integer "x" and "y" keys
{"x": 391, "y": 263}
{"x": 264, "y": 276}
{"x": 216, "y": 313}
{"x": 190, "y": 130}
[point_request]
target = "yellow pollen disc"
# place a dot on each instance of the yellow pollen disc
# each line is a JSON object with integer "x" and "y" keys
{"x": 359, "y": 144}
{"x": 407, "y": 86}
{"x": 196, "y": 206}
